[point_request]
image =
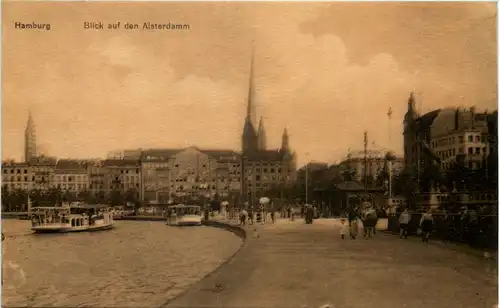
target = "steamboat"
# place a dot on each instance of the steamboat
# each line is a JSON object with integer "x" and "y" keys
{"x": 74, "y": 218}
{"x": 183, "y": 215}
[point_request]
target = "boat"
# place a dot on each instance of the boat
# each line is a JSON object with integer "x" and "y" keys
{"x": 74, "y": 218}
{"x": 118, "y": 212}
{"x": 183, "y": 215}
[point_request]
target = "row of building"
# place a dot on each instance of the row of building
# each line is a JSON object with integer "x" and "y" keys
{"x": 156, "y": 174}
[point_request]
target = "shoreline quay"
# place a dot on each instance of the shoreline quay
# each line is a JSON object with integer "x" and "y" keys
{"x": 206, "y": 280}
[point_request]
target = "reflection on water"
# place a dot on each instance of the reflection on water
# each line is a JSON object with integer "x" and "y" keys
{"x": 137, "y": 264}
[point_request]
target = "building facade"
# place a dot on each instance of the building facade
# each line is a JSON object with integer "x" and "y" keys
{"x": 121, "y": 175}
{"x": 71, "y": 176}
{"x": 191, "y": 173}
{"x": 375, "y": 163}
{"x": 460, "y": 132}
{"x": 17, "y": 176}
{"x": 445, "y": 137}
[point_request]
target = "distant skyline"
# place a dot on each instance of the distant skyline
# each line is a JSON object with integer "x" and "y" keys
{"x": 325, "y": 71}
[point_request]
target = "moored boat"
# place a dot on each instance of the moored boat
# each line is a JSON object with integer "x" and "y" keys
{"x": 76, "y": 218}
{"x": 183, "y": 215}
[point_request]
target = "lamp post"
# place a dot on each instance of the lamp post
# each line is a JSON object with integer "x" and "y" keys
{"x": 307, "y": 178}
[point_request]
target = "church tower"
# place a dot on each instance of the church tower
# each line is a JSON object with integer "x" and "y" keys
{"x": 285, "y": 143}
{"x": 410, "y": 132}
{"x": 249, "y": 138}
{"x": 261, "y": 135}
{"x": 30, "y": 140}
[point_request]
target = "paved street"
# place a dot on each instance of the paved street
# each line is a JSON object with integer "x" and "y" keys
{"x": 291, "y": 264}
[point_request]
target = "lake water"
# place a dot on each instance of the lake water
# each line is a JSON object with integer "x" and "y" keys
{"x": 137, "y": 264}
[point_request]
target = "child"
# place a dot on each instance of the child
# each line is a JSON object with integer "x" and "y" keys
{"x": 344, "y": 228}
{"x": 354, "y": 229}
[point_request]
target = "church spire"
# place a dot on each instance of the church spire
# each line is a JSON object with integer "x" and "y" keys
{"x": 261, "y": 134}
{"x": 30, "y": 140}
{"x": 285, "y": 142}
{"x": 250, "y": 142}
{"x": 251, "y": 89}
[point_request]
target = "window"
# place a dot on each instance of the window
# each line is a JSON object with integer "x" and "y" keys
{"x": 461, "y": 139}
{"x": 470, "y": 138}
{"x": 478, "y": 138}
{"x": 25, "y": 171}
{"x": 478, "y": 150}
{"x": 18, "y": 171}
{"x": 470, "y": 150}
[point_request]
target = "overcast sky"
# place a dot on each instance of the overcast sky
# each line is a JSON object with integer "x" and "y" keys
{"x": 327, "y": 72}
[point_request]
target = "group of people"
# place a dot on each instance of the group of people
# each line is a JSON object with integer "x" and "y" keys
{"x": 425, "y": 225}
{"x": 247, "y": 214}
{"x": 363, "y": 218}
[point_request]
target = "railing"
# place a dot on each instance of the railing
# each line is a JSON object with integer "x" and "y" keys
{"x": 479, "y": 233}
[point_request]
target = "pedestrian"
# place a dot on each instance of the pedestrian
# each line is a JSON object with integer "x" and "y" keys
{"x": 344, "y": 228}
{"x": 404, "y": 221}
{"x": 250, "y": 215}
{"x": 272, "y": 215}
{"x": 354, "y": 229}
{"x": 243, "y": 217}
{"x": 426, "y": 224}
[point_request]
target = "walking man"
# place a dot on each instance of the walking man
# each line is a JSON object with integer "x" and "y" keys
{"x": 404, "y": 221}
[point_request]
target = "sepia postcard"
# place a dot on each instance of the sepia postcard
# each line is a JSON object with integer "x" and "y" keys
{"x": 249, "y": 154}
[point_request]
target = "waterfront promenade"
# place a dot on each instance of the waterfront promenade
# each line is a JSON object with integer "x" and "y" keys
{"x": 291, "y": 264}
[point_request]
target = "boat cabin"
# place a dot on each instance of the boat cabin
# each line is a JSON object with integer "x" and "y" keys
{"x": 49, "y": 215}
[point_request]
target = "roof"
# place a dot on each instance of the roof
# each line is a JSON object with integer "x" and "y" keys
{"x": 268, "y": 155}
{"x": 71, "y": 164}
{"x": 158, "y": 154}
{"x": 222, "y": 155}
{"x": 120, "y": 163}
{"x": 424, "y": 122}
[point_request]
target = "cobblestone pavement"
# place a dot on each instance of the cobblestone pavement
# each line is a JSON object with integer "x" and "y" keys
{"x": 291, "y": 264}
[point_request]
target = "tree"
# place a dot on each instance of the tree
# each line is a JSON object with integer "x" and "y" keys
{"x": 131, "y": 196}
{"x": 348, "y": 175}
{"x": 69, "y": 196}
{"x": 84, "y": 196}
{"x": 54, "y": 196}
{"x": 36, "y": 197}
{"x": 405, "y": 184}
{"x": 116, "y": 198}
{"x": 430, "y": 176}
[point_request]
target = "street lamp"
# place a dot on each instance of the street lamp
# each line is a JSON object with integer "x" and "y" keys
{"x": 307, "y": 180}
